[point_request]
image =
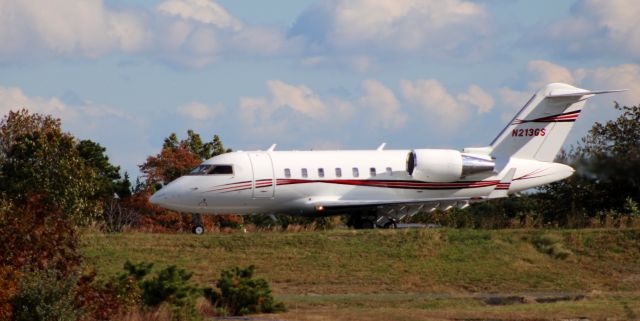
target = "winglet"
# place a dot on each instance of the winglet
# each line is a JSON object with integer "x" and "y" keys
{"x": 381, "y": 147}
{"x": 271, "y": 148}
{"x": 502, "y": 188}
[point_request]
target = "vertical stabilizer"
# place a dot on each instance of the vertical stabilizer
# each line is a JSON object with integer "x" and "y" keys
{"x": 539, "y": 130}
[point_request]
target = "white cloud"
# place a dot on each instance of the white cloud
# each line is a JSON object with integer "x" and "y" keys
{"x": 371, "y": 27}
{"x": 290, "y": 106}
{"x": 293, "y": 101}
{"x": 443, "y": 108}
{"x": 13, "y": 99}
{"x": 625, "y": 76}
{"x": 204, "y": 11}
{"x": 86, "y": 28}
{"x": 544, "y": 72}
{"x": 199, "y": 111}
{"x": 596, "y": 27}
{"x": 192, "y": 33}
{"x": 299, "y": 98}
{"x": 477, "y": 97}
{"x": 88, "y": 120}
{"x": 541, "y": 73}
{"x": 386, "y": 108}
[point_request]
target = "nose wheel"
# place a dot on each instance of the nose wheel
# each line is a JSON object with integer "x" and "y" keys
{"x": 198, "y": 227}
{"x": 198, "y": 230}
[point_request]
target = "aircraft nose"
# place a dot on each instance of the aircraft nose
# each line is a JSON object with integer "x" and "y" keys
{"x": 158, "y": 198}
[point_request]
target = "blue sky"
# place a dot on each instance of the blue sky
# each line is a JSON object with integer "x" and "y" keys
{"x": 308, "y": 74}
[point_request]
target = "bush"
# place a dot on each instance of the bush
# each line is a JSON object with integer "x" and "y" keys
{"x": 551, "y": 245}
{"x": 169, "y": 288}
{"x": 241, "y": 294}
{"x": 45, "y": 295}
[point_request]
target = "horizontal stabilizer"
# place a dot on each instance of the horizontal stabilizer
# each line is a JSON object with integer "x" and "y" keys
{"x": 563, "y": 93}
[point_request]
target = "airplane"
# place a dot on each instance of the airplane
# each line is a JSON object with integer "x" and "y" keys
{"x": 380, "y": 187}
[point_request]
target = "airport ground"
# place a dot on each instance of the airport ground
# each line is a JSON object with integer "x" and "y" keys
{"x": 410, "y": 274}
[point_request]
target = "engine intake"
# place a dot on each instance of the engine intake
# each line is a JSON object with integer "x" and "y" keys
{"x": 444, "y": 165}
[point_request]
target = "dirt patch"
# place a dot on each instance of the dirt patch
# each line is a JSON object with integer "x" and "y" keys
{"x": 524, "y": 299}
{"x": 505, "y": 300}
{"x": 552, "y": 299}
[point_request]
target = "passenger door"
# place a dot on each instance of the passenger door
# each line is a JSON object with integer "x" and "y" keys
{"x": 263, "y": 177}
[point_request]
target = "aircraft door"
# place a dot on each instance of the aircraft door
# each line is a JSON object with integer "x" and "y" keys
{"x": 263, "y": 177}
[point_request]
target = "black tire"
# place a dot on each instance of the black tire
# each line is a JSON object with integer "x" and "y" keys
{"x": 198, "y": 230}
{"x": 391, "y": 225}
{"x": 367, "y": 224}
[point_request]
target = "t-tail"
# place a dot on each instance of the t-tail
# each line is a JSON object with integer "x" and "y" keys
{"x": 541, "y": 127}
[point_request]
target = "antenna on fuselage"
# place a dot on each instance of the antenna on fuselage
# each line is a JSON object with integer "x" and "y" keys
{"x": 381, "y": 147}
{"x": 271, "y": 148}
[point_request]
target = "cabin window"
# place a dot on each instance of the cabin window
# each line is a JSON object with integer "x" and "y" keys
{"x": 304, "y": 172}
{"x": 287, "y": 173}
{"x": 338, "y": 172}
{"x": 372, "y": 170}
{"x": 320, "y": 172}
{"x": 389, "y": 171}
{"x": 356, "y": 173}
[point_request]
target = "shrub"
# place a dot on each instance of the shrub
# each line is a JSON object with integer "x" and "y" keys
{"x": 45, "y": 295}
{"x": 97, "y": 301}
{"x": 168, "y": 289}
{"x": 241, "y": 294}
{"x": 551, "y": 245}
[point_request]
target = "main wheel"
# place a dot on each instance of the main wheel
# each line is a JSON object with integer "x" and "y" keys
{"x": 366, "y": 224}
{"x": 198, "y": 230}
{"x": 391, "y": 224}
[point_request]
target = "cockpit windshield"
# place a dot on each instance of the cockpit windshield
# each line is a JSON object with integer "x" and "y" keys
{"x": 201, "y": 170}
{"x": 209, "y": 169}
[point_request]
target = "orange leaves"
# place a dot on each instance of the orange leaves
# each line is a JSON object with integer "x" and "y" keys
{"x": 170, "y": 164}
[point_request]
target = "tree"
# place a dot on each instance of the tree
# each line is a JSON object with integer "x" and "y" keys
{"x": 108, "y": 176}
{"x": 169, "y": 165}
{"x": 37, "y": 158}
{"x": 607, "y": 177}
{"x": 178, "y": 158}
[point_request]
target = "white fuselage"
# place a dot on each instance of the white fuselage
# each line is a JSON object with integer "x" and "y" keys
{"x": 387, "y": 181}
{"x": 298, "y": 182}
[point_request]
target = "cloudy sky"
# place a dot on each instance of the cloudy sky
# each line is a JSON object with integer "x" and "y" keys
{"x": 308, "y": 73}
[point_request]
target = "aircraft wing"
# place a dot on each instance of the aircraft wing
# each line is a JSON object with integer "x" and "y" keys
{"x": 349, "y": 204}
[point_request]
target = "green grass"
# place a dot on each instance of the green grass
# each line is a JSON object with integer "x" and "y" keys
{"x": 407, "y": 274}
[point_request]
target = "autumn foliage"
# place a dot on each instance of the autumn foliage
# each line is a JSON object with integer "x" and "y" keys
{"x": 170, "y": 164}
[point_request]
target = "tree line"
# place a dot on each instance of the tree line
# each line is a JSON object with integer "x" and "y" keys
{"x": 52, "y": 185}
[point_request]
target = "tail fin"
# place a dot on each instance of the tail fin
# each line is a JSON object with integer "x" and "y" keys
{"x": 539, "y": 130}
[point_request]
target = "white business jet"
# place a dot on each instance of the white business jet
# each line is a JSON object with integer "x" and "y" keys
{"x": 380, "y": 187}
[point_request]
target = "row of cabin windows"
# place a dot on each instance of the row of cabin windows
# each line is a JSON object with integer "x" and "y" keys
{"x": 354, "y": 171}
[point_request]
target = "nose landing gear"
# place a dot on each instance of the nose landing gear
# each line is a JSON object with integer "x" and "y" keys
{"x": 198, "y": 226}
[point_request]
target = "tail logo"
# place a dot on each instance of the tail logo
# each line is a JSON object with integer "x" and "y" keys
{"x": 559, "y": 118}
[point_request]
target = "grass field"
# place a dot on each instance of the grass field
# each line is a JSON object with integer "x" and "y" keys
{"x": 409, "y": 274}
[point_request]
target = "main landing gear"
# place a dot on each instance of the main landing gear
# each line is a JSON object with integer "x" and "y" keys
{"x": 370, "y": 220}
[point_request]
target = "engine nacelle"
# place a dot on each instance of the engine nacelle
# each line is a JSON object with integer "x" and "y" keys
{"x": 445, "y": 165}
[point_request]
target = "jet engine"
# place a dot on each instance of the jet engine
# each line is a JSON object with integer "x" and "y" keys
{"x": 444, "y": 165}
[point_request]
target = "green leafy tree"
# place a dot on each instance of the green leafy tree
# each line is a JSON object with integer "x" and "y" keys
{"x": 607, "y": 163}
{"x": 37, "y": 158}
{"x": 218, "y": 147}
{"x": 108, "y": 179}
